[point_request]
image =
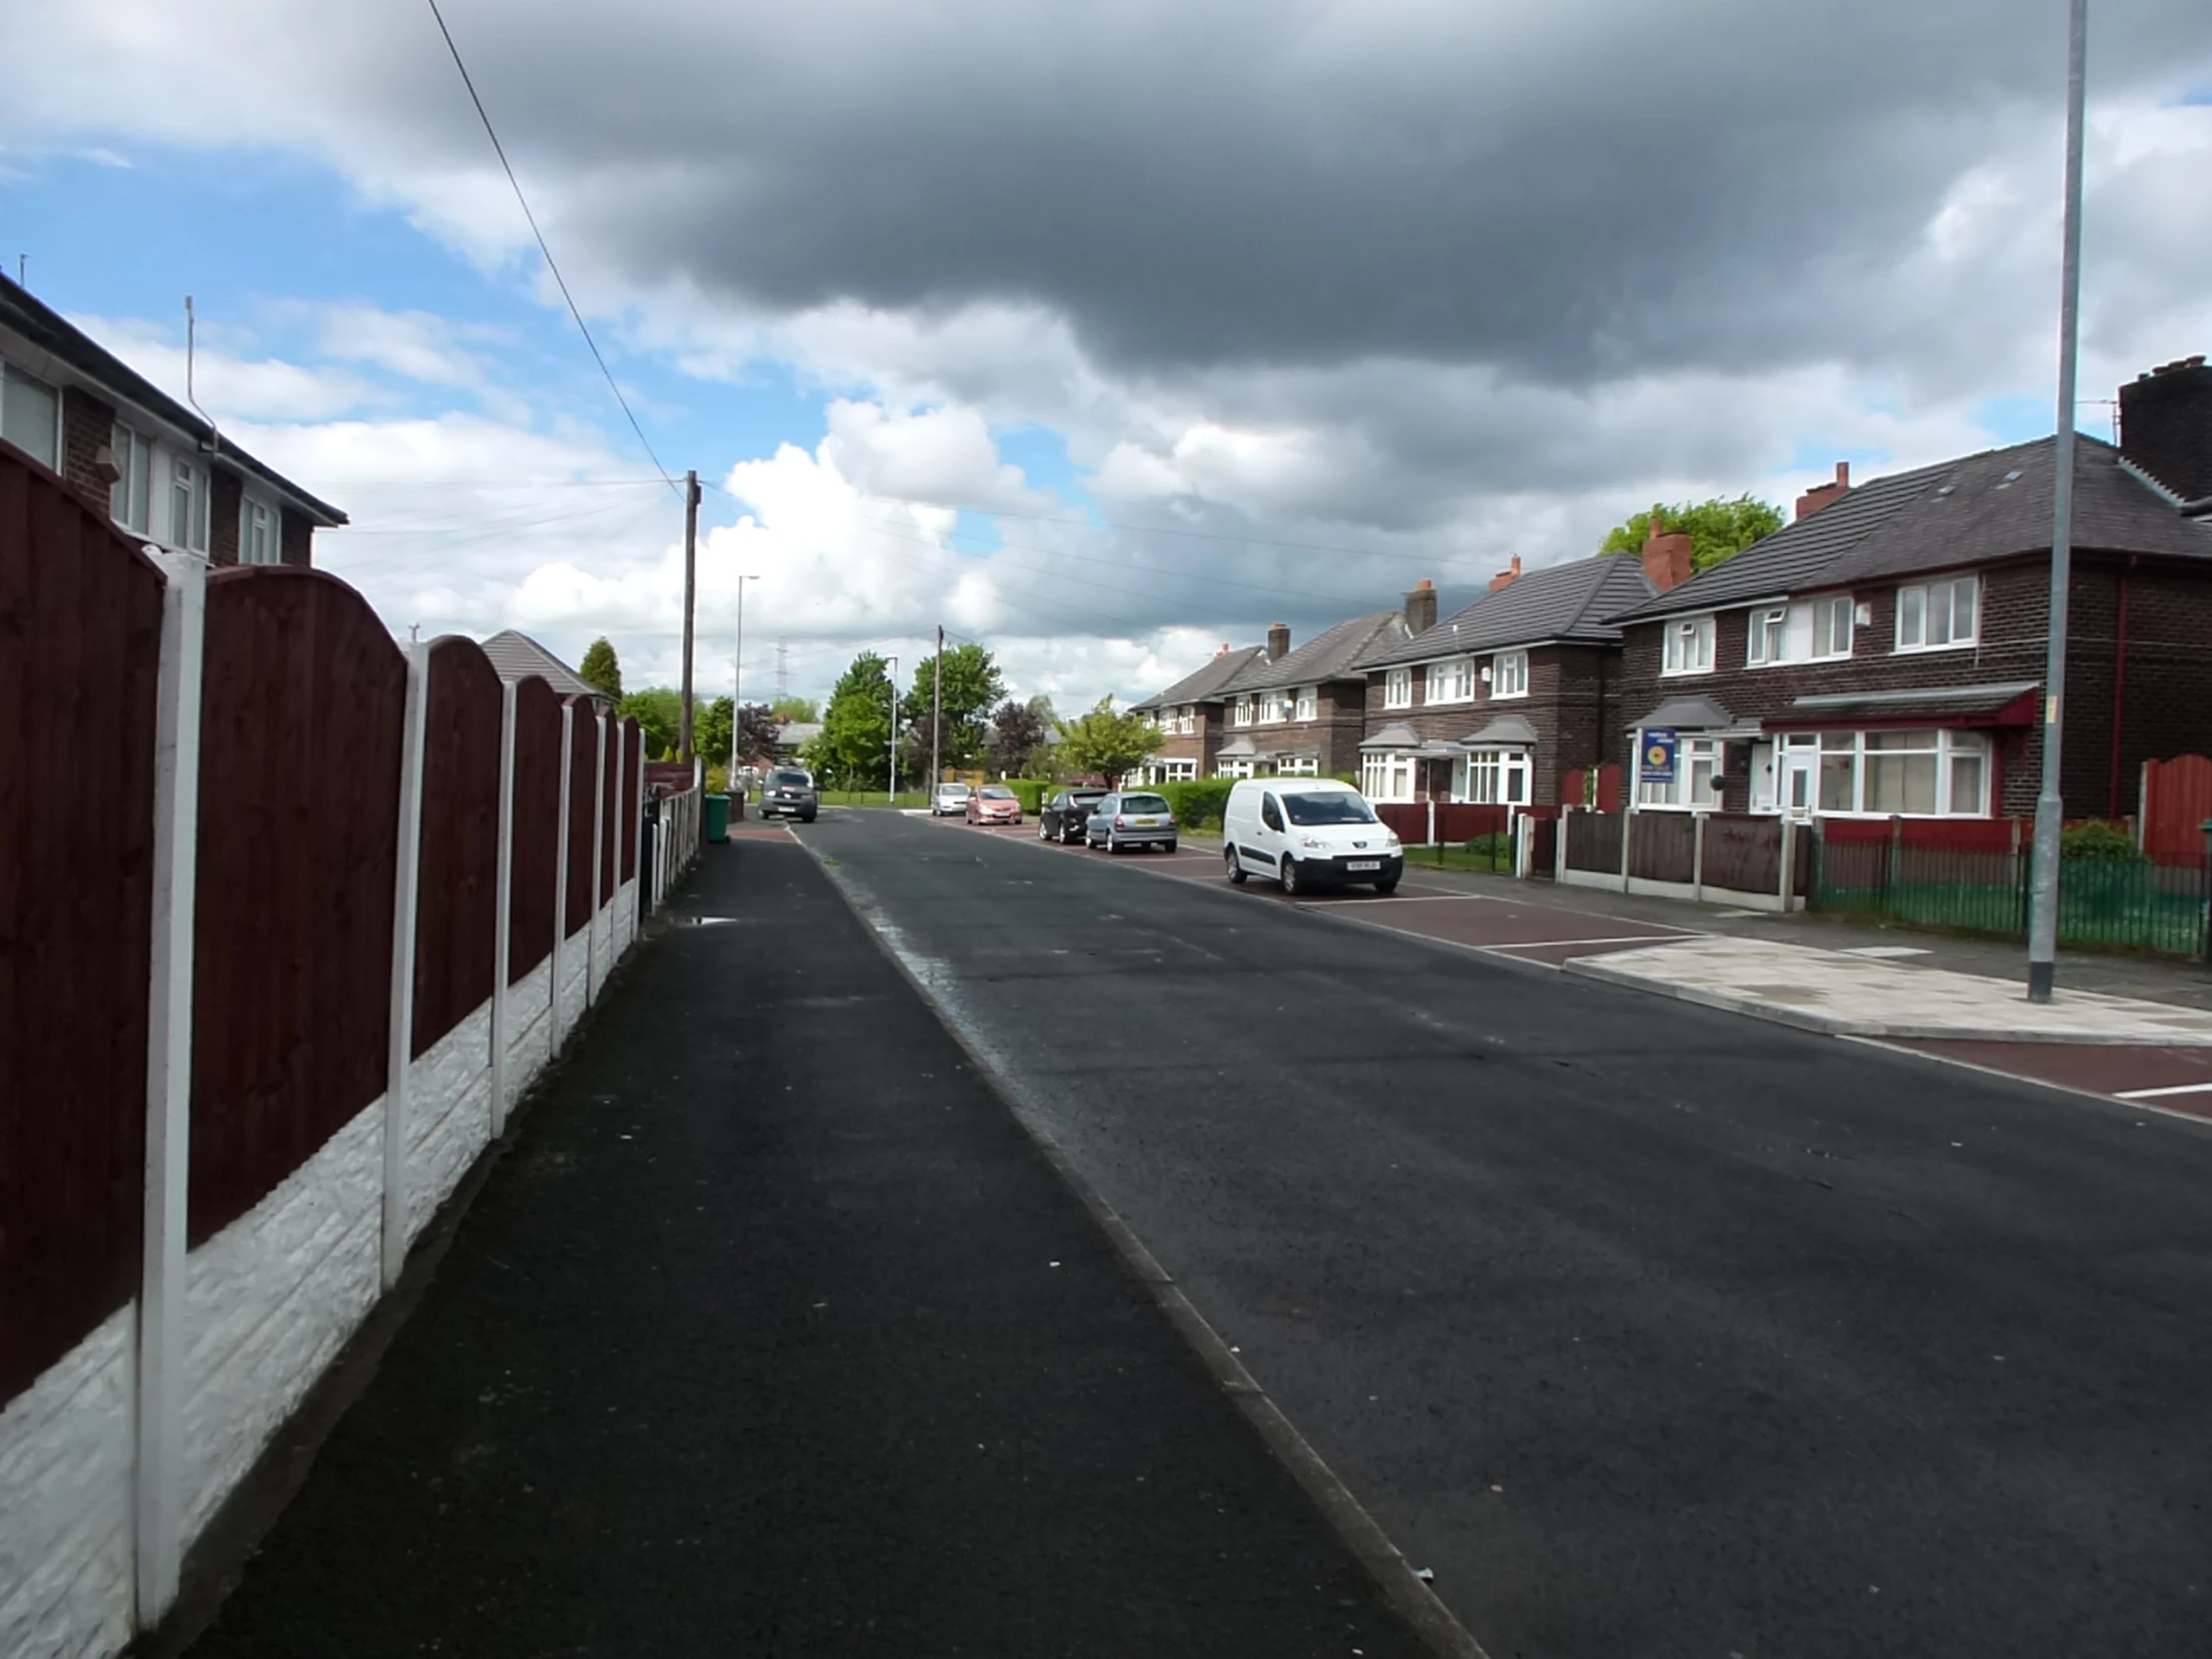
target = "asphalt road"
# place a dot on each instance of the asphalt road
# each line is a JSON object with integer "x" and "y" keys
{"x": 1652, "y": 1330}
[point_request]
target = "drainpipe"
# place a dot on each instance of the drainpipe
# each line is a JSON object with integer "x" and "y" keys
{"x": 2119, "y": 697}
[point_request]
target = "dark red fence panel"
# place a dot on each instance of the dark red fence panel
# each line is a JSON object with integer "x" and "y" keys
{"x": 1595, "y": 841}
{"x": 80, "y": 645}
{"x": 1662, "y": 847}
{"x": 1965, "y": 835}
{"x": 619, "y": 756}
{"x": 455, "y": 930}
{"x": 2178, "y": 800}
{"x": 583, "y": 779}
{"x": 1464, "y": 821}
{"x": 632, "y": 742}
{"x": 299, "y": 829}
{"x": 1743, "y": 852}
{"x": 537, "y": 829}
{"x": 1409, "y": 817}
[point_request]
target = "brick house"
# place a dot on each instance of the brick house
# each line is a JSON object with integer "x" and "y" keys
{"x": 1192, "y": 714}
{"x": 1496, "y": 702}
{"x": 1302, "y": 712}
{"x": 157, "y": 467}
{"x": 1884, "y": 653}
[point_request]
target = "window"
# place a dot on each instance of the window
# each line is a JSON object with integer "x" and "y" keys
{"x": 186, "y": 523}
{"x": 1494, "y": 777}
{"x": 30, "y": 415}
{"x": 1398, "y": 689}
{"x": 1240, "y": 711}
{"x": 1451, "y": 682}
{"x": 1386, "y": 777}
{"x": 1938, "y": 615}
{"x": 258, "y": 539}
{"x": 1807, "y": 631}
{"x": 1297, "y": 766}
{"x": 133, "y": 459}
{"x": 1186, "y": 720}
{"x": 1309, "y": 702}
{"x": 1767, "y": 636}
{"x": 1689, "y": 647}
{"x": 1509, "y": 674}
{"x": 1697, "y": 767}
{"x": 1270, "y": 813}
{"x": 1174, "y": 771}
{"x": 1233, "y": 768}
{"x": 1274, "y": 708}
{"x": 1832, "y": 621}
{"x": 1914, "y": 773}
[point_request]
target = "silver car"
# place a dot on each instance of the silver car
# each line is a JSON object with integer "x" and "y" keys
{"x": 1135, "y": 820}
{"x": 948, "y": 800}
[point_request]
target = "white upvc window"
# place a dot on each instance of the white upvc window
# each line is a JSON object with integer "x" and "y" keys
{"x": 1308, "y": 702}
{"x": 1398, "y": 689}
{"x": 1386, "y": 777}
{"x": 1272, "y": 704}
{"x": 1451, "y": 682}
{"x": 30, "y": 415}
{"x": 1233, "y": 768}
{"x": 1297, "y": 766}
{"x": 183, "y": 515}
{"x": 1174, "y": 771}
{"x": 1767, "y": 636}
{"x": 1811, "y": 630}
{"x": 1940, "y": 616}
{"x": 1186, "y": 720}
{"x": 1910, "y": 774}
{"x": 1509, "y": 674}
{"x": 1689, "y": 646}
{"x": 1832, "y": 625}
{"x": 258, "y": 540}
{"x": 1493, "y": 777}
{"x": 129, "y": 498}
{"x": 1697, "y": 766}
{"x": 1240, "y": 712}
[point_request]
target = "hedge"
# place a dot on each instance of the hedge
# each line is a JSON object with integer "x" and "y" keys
{"x": 1030, "y": 791}
{"x": 1199, "y": 800}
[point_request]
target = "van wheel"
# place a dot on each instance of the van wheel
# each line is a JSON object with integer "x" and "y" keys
{"x": 1292, "y": 885}
{"x": 808, "y": 816}
{"x": 1236, "y": 872}
{"x": 1388, "y": 886}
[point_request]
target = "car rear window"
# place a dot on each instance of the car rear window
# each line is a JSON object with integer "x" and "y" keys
{"x": 1328, "y": 807}
{"x": 1143, "y": 804}
{"x": 996, "y": 791}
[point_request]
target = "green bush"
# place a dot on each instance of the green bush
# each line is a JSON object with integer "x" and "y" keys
{"x": 1199, "y": 800}
{"x": 1497, "y": 844}
{"x": 718, "y": 780}
{"x": 1030, "y": 791}
{"x": 2099, "y": 839}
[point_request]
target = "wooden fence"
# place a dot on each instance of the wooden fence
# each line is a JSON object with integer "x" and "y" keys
{"x": 260, "y": 870}
{"x": 1692, "y": 856}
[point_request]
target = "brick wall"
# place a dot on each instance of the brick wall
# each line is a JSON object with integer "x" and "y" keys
{"x": 87, "y": 424}
{"x": 1572, "y": 700}
{"x": 299, "y": 539}
{"x": 1339, "y": 722}
{"x": 223, "y": 501}
{"x": 2164, "y": 697}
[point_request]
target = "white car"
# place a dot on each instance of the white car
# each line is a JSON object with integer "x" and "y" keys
{"x": 948, "y": 800}
{"x": 1307, "y": 832}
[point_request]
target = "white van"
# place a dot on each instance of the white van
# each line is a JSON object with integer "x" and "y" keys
{"x": 1307, "y": 832}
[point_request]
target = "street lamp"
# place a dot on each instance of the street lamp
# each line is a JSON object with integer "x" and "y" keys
{"x": 893, "y": 801}
{"x": 737, "y": 686}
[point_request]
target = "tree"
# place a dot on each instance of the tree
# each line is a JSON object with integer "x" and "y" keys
{"x": 854, "y": 751}
{"x": 760, "y": 736}
{"x": 972, "y": 687}
{"x": 711, "y": 732}
{"x": 659, "y": 712}
{"x": 803, "y": 709}
{"x": 1106, "y": 742}
{"x": 602, "y": 670}
{"x": 1017, "y": 734}
{"x": 1719, "y": 529}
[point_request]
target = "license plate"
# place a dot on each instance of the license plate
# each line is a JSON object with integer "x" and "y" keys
{"x": 1364, "y": 864}
{"x": 1147, "y": 823}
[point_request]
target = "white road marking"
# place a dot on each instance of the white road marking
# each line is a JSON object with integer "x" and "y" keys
{"x": 2159, "y": 1094}
{"x": 1884, "y": 951}
{"x": 1624, "y": 938}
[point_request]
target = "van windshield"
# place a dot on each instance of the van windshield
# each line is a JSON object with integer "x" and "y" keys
{"x": 1335, "y": 807}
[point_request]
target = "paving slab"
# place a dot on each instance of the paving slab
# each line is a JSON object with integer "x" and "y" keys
{"x": 1849, "y": 994}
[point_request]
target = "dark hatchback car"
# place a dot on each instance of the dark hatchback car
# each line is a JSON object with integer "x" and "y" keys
{"x": 787, "y": 792}
{"x": 1065, "y": 816}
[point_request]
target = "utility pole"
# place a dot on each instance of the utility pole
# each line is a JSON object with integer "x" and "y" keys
{"x": 736, "y": 687}
{"x": 2043, "y": 915}
{"x": 690, "y": 603}
{"x": 937, "y": 716}
{"x": 782, "y": 669}
{"x": 894, "y": 800}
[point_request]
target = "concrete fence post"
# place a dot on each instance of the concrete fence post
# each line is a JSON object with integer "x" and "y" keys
{"x": 637, "y": 841}
{"x": 1628, "y": 825}
{"x": 560, "y": 880}
{"x": 503, "y": 909}
{"x": 158, "y": 1500}
{"x": 1431, "y": 842}
{"x": 1788, "y": 883}
{"x": 407, "y": 885}
{"x": 1697, "y": 857}
{"x": 599, "y": 829}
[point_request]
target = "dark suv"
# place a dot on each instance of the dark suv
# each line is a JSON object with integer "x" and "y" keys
{"x": 789, "y": 792}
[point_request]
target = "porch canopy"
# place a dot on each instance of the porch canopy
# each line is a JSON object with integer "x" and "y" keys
{"x": 1237, "y": 749}
{"x": 1397, "y": 738}
{"x": 1701, "y": 715}
{"x": 1505, "y": 732}
{"x": 2009, "y": 702}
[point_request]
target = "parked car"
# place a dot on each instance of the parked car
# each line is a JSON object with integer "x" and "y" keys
{"x": 789, "y": 792}
{"x": 1307, "y": 832}
{"x": 948, "y": 799}
{"x": 1065, "y": 816}
{"x": 995, "y": 803}
{"x": 1136, "y": 820}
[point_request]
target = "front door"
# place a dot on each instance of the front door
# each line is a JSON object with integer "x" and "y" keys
{"x": 1799, "y": 772}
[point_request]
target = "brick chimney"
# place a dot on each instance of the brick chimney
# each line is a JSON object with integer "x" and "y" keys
{"x": 1666, "y": 555}
{"x": 2166, "y": 426}
{"x": 1279, "y": 641}
{"x": 1820, "y": 495}
{"x": 1420, "y": 606}
{"x": 1505, "y": 576}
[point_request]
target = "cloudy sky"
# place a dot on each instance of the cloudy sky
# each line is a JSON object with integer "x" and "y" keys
{"x": 1099, "y": 334}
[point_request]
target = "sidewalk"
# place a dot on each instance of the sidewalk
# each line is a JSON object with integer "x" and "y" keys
{"x": 775, "y": 1335}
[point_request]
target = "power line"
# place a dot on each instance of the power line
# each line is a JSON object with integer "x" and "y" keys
{"x": 500, "y": 149}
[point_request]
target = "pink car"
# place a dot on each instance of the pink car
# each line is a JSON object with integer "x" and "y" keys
{"x": 993, "y": 803}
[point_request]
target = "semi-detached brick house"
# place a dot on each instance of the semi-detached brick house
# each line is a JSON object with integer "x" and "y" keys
{"x": 157, "y": 469}
{"x": 1884, "y": 653}
{"x": 1302, "y": 714}
{"x": 1190, "y": 715}
{"x": 1497, "y": 703}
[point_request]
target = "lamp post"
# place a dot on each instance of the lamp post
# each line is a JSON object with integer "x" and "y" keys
{"x": 2042, "y": 913}
{"x": 893, "y": 798}
{"x": 737, "y": 685}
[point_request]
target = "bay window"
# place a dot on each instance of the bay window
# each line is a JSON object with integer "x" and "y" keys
{"x": 1386, "y": 777}
{"x": 1697, "y": 766}
{"x": 1495, "y": 778}
{"x": 1920, "y": 773}
{"x": 1689, "y": 646}
{"x": 1936, "y": 616}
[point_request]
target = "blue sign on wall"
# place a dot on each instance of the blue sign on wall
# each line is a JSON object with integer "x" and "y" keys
{"x": 1655, "y": 757}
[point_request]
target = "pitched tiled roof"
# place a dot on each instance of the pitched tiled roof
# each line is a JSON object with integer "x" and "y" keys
{"x": 1335, "y": 654}
{"x": 1973, "y": 510}
{"x": 1561, "y": 602}
{"x": 1206, "y": 682}
{"x": 518, "y": 656}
